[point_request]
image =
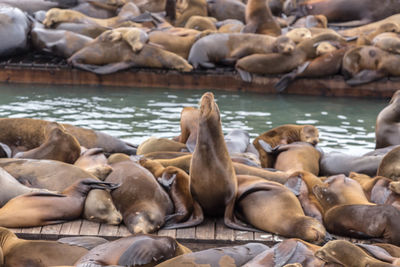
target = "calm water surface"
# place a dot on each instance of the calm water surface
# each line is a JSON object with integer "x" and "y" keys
{"x": 345, "y": 124}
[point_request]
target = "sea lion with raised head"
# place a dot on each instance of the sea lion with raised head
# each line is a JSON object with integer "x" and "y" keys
{"x": 189, "y": 123}
{"x": 259, "y": 19}
{"x": 43, "y": 208}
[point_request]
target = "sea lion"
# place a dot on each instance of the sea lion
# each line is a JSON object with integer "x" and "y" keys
{"x": 387, "y": 131}
{"x": 91, "y": 31}
{"x": 297, "y": 156}
{"x": 259, "y": 19}
{"x": 140, "y": 199}
{"x": 366, "y": 39}
{"x": 230, "y": 26}
{"x": 218, "y": 257}
{"x": 334, "y": 163}
{"x": 226, "y": 9}
{"x": 140, "y": 249}
{"x": 278, "y": 176}
{"x": 14, "y": 31}
{"x": 288, "y": 252}
{"x": 95, "y": 162}
{"x": 43, "y": 208}
{"x": 154, "y": 144}
{"x": 192, "y": 8}
{"x": 58, "y": 42}
{"x": 94, "y": 11}
{"x": 257, "y": 197}
{"x": 189, "y": 123}
{"x": 275, "y": 63}
{"x": 382, "y": 251}
{"x": 387, "y": 41}
{"x": 165, "y": 155}
{"x": 20, "y": 252}
{"x": 57, "y": 176}
{"x": 31, "y": 6}
{"x": 388, "y": 167}
{"x": 237, "y": 141}
{"x": 348, "y": 254}
{"x": 284, "y": 134}
{"x": 357, "y": 12}
{"x": 201, "y": 23}
{"x": 299, "y": 34}
{"x": 227, "y": 48}
{"x": 103, "y": 56}
{"x": 212, "y": 176}
{"x": 311, "y": 21}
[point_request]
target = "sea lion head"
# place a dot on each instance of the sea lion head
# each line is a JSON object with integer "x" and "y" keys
{"x": 395, "y": 97}
{"x": 208, "y": 106}
{"x": 100, "y": 208}
{"x": 311, "y": 230}
{"x": 284, "y": 45}
{"x": 309, "y": 134}
{"x": 143, "y": 222}
{"x": 325, "y": 48}
{"x": 52, "y": 17}
{"x": 389, "y": 27}
{"x": 299, "y": 34}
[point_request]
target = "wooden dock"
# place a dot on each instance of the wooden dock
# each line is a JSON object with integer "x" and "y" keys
{"x": 27, "y": 71}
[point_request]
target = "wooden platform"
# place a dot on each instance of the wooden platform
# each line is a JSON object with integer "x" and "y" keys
{"x": 219, "y": 79}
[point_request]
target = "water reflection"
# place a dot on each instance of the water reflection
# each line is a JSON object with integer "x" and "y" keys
{"x": 345, "y": 124}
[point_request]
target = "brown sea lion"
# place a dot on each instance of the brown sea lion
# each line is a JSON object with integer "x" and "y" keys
{"x": 226, "y": 9}
{"x": 212, "y": 176}
{"x": 192, "y": 8}
{"x": 201, "y": 23}
{"x": 366, "y": 39}
{"x": 103, "y": 56}
{"x": 154, "y": 144}
{"x": 218, "y": 257}
{"x": 147, "y": 250}
{"x": 284, "y": 134}
{"x": 91, "y": 31}
{"x": 257, "y": 197}
{"x": 388, "y": 167}
{"x": 358, "y": 12}
{"x": 387, "y": 131}
{"x": 95, "y": 162}
{"x": 94, "y": 11}
{"x": 189, "y": 123}
{"x": 287, "y": 252}
{"x": 230, "y": 26}
{"x": 345, "y": 253}
{"x": 57, "y": 176}
{"x": 312, "y": 21}
{"x": 259, "y": 19}
{"x": 165, "y": 155}
{"x": 43, "y": 208}
{"x": 140, "y": 199}
{"x": 227, "y": 48}
{"x": 20, "y": 252}
{"x": 299, "y": 34}
{"x": 278, "y": 176}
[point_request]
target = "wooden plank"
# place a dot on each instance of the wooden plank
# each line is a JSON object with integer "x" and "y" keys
{"x": 186, "y": 233}
{"x": 268, "y": 237}
{"x": 167, "y": 232}
{"x": 206, "y": 231}
{"x": 108, "y": 230}
{"x": 89, "y": 228}
{"x": 71, "y": 228}
{"x": 123, "y": 231}
{"x": 15, "y": 230}
{"x": 51, "y": 231}
{"x": 32, "y": 232}
{"x": 244, "y": 236}
{"x": 222, "y": 232}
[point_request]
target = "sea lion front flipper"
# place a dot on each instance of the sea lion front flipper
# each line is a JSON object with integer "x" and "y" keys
{"x": 143, "y": 252}
{"x": 196, "y": 218}
{"x": 379, "y": 193}
{"x": 88, "y": 242}
{"x": 377, "y": 252}
{"x": 287, "y": 79}
{"x": 365, "y": 76}
{"x": 241, "y": 52}
{"x": 244, "y": 75}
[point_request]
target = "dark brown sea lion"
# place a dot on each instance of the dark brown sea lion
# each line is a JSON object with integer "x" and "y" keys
{"x": 345, "y": 253}
{"x": 57, "y": 176}
{"x": 140, "y": 199}
{"x": 37, "y": 253}
{"x": 257, "y": 197}
{"x": 259, "y": 19}
{"x": 387, "y": 131}
{"x": 224, "y": 48}
{"x": 189, "y": 123}
{"x": 226, "y": 9}
{"x": 160, "y": 144}
{"x": 95, "y": 12}
{"x": 218, "y": 257}
{"x": 212, "y": 176}
{"x": 43, "y": 208}
{"x": 358, "y": 12}
{"x": 14, "y": 31}
{"x": 95, "y": 162}
{"x": 58, "y": 42}
{"x": 104, "y": 56}
{"x": 284, "y": 134}
{"x": 288, "y": 252}
{"x": 143, "y": 250}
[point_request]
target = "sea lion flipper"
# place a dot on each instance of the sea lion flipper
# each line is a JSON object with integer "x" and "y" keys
{"x": 379, "y": 193}
{"x": 284, "y": 251}
{"x": 207, "y": 65}
{"x": 142, "y": 252}
{"x": 233, "y": 222}
{"x": 88, "y": 242}
{"x": 196, "y": 218}
{"x": 285, "y": 81}
{"x": 244, "y": 75}
{"x": 365, "y": 76}
{"x": 377, "y": 252}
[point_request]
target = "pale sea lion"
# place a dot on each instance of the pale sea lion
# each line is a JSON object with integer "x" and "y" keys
{"x": 14, "y": 30}
{"x": 257, "y": 197}
{"x": 218, "y": 257}
{"x": 43, "y": 208}
{"x": 387, "y": 131}
{"x": 366, "y": 38}
{"x": 189, "y": 123}
{"x": 201, "y": 23}
{"x": 95, "y": 162}
{"x": 154, "y": 144}
{"x": 299, "y": 34}
{"x": 140, "y": 199}
{"x": 259, "y": 19}
{"x": 148, "y": 250}
{"x": 237, "y": 141}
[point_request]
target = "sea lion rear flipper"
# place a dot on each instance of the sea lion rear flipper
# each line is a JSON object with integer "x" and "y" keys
{"x": 233, "y": 222}
{"x": 377, "y": 252}
{"x": 244, "y": 75}
{"x": 353, "y": 23}
{"x": 143, "y": 252}
{"x": 365, "y": 76}
{"x": 88, "y": 242}
{"x": 283, "y": 252}
{"x": 106, "y": 69}
{"x": 286, "y": 79}
{"x": 196, "y": 218}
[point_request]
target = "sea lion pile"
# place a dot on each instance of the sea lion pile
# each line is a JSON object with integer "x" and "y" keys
{"x": 275, "y": 184}
{"x": 292, "y": 38}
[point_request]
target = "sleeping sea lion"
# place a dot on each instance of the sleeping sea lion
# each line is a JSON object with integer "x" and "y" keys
{"x": 95, "y": 162}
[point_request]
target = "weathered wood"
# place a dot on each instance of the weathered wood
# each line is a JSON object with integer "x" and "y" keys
{"x": 51, "y": 231}
{"x": 222, "y": 232}
{"x": 71, "y": 228}
{"x": 123, "y": 231}
{"x": 186, "y": 233}
{"x": 89, "y": 228}
{"x": 206, "y": 231}
{"x": 32, "y": 233}
{"x": 107, "y": 230}
{"x": 167, "y": 232}
{"x": 244, "y": 236}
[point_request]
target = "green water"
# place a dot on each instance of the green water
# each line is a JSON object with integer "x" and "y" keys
{"x": 345, "y": 124}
